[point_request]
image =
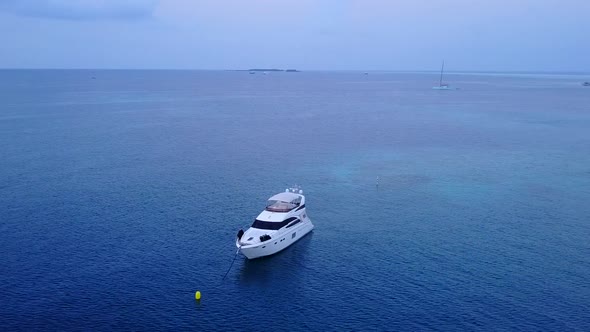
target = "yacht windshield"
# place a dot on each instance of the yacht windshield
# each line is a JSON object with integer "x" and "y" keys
{"x": 275, "y": 225}
{"x": 280, "y": 206}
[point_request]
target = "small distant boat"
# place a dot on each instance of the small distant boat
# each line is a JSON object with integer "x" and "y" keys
{"x": 441, "y": 85}
{"x": 282, "y": 223}
{"x": 586, "y": 84}
{"x": 252, "y": 72}
{"x": 366, "y": 73}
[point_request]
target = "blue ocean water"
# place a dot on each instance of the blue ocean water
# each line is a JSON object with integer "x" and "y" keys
{"x": 120, "y": 196}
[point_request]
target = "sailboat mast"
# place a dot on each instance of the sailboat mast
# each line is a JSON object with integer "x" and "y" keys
{"x": 441, "y": 73}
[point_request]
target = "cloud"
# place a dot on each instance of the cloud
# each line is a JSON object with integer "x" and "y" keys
{"x": 239, "y": 13}
{"x": 80, "y": 9}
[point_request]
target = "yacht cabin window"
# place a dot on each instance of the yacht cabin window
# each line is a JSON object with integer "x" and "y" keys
{"x": 275, "y": 225}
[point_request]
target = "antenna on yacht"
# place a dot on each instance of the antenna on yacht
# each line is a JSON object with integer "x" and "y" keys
{"x": 296, "y": 189}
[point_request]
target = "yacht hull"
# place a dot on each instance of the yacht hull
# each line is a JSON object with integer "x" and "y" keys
{"x": 277, "y": 243}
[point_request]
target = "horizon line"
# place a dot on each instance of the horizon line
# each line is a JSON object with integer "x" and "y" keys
{"x": 458, "y": 71}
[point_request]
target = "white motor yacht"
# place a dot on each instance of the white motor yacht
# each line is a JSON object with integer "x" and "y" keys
{"x": 282, "y": 223}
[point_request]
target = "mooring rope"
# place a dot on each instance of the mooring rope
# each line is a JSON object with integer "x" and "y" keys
{"x": 232, "y": 263}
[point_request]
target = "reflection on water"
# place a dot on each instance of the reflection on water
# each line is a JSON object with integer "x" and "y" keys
{"x": 283, "y": 265}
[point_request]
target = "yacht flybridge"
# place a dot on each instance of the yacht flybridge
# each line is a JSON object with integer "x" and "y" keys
{"x": 282, "y": 223}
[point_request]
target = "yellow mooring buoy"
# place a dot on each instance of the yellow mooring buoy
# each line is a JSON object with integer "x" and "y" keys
{"x": 198, "y": 296}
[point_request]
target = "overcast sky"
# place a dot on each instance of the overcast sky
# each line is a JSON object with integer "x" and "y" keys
{"x": 527, "y": 35}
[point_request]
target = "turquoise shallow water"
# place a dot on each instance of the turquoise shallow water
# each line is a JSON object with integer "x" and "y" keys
{"x": 121, "y": 196}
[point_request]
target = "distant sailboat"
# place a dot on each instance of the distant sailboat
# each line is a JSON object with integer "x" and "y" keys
{"x": 441, "y": 85}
